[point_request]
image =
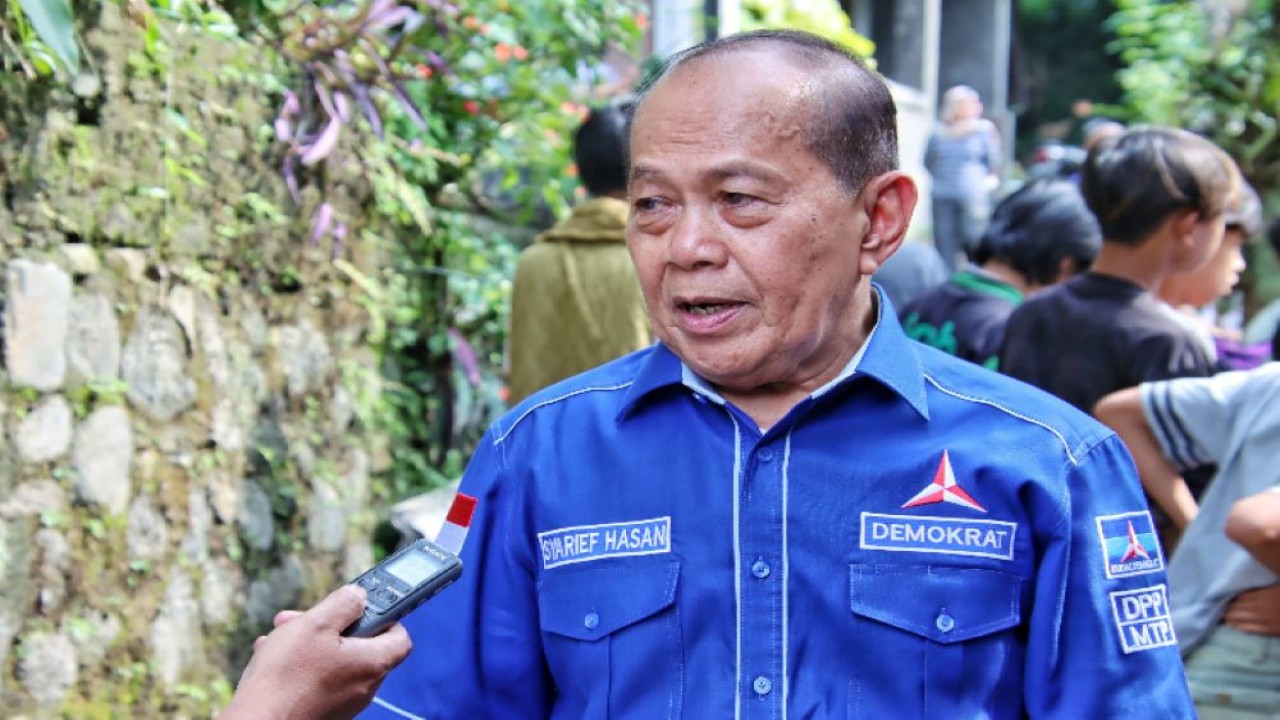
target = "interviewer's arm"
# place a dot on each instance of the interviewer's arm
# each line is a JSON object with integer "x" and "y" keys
{"x": 1122, "y": 411}
{"x": 305, "y": 669}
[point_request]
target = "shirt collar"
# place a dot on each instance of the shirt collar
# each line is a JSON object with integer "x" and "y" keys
{"x": 888, "y": 356}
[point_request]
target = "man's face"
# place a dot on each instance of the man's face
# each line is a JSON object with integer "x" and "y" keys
{"x": 746, "y": 246}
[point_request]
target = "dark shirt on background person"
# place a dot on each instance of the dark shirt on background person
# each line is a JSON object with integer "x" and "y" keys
{"x": 1095, "y": 334}
{"x": 1038, "y": 236}
{"x": 964, "y": 317}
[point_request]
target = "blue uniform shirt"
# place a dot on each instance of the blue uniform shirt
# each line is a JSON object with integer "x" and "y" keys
{"x": 921, "y": 538}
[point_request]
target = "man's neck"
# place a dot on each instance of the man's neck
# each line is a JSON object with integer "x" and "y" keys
{"x": 1145, "y": 265}
{"x": 1004, "y": 272}
{"x": 767, "y": 404}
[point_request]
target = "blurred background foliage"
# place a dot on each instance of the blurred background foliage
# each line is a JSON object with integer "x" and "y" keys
{"x": 821, "y": 17}
{"x": 459, "y": 132}
{"x": 1214, "y": 68}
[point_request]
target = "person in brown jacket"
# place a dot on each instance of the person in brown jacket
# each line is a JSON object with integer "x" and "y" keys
{"x": 576, "y": 302}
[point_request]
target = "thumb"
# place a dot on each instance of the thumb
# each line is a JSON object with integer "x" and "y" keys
{"x": 340, "y": 608}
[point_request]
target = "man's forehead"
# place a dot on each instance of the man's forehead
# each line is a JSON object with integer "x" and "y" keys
{"x": 728, "y": 95}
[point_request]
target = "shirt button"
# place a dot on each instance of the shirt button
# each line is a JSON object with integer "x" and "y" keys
{"x": 591, "y": 621}
{"x": 765, "y": 454}
{"x": 760, "y": 569}
{"x": 762, "y": 685}
{"x": 945, "y": 622}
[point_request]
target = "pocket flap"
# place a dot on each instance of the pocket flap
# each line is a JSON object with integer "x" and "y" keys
{"x": 943, "y": 604}
{"x": 589, "y": 603}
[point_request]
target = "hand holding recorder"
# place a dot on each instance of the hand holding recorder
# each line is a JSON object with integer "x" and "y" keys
{"x": 326, "y": 663}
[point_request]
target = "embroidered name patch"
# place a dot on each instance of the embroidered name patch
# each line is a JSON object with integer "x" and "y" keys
{"x": 1142, "y": 618}
{"x": 943, "y": 535}
{"x": 596, "y": 542}
{"x": 1129, "y": 544}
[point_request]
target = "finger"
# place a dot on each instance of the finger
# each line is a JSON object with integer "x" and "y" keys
{"x": 284, "y": 616}
{"x": 340, "y": 608}
{"x": 385, "y": 650}
{"x": 397, "y": 643}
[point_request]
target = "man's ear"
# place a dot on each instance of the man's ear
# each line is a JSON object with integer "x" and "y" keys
{"x": 888, "y": 200}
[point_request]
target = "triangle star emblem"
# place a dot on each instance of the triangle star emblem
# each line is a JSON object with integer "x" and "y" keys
{"x": 944, "y": 489}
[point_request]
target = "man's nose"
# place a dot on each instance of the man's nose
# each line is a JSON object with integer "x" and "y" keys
{"x": 696, "y": 239}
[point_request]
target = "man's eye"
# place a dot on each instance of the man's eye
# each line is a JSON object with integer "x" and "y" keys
{"x": 647, "y": 204}
{"x": 738, "y": 199}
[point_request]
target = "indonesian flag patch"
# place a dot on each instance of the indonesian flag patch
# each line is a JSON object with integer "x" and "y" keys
{"x": 456, "y": 524}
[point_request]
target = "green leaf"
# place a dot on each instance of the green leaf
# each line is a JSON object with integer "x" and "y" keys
{"x": 54, "y": 23}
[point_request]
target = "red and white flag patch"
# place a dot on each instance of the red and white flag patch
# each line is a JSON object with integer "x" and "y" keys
{"x": 456, "y": 524}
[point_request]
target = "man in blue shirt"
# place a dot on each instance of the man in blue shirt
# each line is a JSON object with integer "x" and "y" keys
{"x": 787, "y": 509}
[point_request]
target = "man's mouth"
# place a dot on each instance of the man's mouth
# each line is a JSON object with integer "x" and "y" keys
{"x": 703, "y": 308}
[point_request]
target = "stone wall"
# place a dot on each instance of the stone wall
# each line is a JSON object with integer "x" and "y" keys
{"x": 181, "y": 452}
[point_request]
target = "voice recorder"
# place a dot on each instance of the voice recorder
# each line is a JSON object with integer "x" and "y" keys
{"x": 400, "y": 583}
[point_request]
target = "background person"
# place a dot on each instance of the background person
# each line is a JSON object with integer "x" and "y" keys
{"x": 1225, "y": 603}
{"x": 1193, "y": 294}
{"x": 1254, "y": 524}
{"x": 963, "y": 159}
{"x": 575, "y": 302}
{"x": 1160, "y": 196}
{"x": 705, "y": 528}
{"x": 1039, "y": 236}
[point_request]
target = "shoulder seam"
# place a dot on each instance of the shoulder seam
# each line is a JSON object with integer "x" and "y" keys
{"x": 1066, "y": 446}
{"x": 602, "y": 388}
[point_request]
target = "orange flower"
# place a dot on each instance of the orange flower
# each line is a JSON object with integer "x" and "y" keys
{"x": 572, "y": 170}
{"x": 502, "y": 52}
{"x": 471, "y": 106}
{"x": 642, "y": 21}
{"x": 470, "y": 23}
{"x": 520, "y": 53}
{"x": 425, "y": 71}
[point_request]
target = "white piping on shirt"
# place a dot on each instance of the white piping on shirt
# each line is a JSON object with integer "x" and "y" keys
{"x": 402, "y": 713}
{"x": 737, "y": 569}
{"x": 981, "y": 401}
{"x": 786, "y": 572}
{"x": 579, "y": 391}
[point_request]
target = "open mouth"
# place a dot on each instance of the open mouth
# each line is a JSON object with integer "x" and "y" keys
{"x": 704, "y": 308}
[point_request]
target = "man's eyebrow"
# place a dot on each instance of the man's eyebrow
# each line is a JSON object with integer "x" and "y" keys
{"x": 744, "y": 169}
{"x": 723, "y": 172}
{"x": 645, "y": 172}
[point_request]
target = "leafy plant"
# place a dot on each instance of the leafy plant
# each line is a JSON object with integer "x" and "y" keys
{"x": 1213, "y": 69}
{"x": 44, "y": 36}
{"x": 822, "y": 17}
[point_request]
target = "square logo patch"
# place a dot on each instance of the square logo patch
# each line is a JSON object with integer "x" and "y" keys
{"x": 1142, "y": 618}
{"x": 1129, "y": 544}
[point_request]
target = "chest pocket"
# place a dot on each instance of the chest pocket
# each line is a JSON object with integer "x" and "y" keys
{"x": 611, "y": 631}
{"x": 954, "y": 622}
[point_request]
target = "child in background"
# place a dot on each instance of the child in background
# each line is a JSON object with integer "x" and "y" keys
{"x": 1040, "y": 235}
{"x": 1191, "y": 294}
{"x": 1160, "y": 196}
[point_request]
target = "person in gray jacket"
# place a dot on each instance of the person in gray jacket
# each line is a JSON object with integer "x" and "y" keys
{"x": 963, "y": 160}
